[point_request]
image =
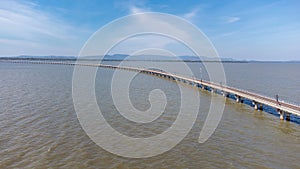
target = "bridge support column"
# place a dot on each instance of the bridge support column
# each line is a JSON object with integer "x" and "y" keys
{"x": 288, "y": 116}
{"x": 281, "y": 113}
{"x": 257, "y": 106}
{"x": 237, "y": 98}
{"x": 213, "y": 90}
{"x": 260, "y": 107}
{"x": 202, "y": 86}
{"x": 225, "y": 94}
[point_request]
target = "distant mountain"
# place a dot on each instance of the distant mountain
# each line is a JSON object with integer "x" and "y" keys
{"x": 157, "y": 58}
{"x": 120, "y": 57}
{"x": 45, "y": 57}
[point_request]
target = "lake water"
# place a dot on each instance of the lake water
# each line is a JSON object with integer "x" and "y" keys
{"x": 39, "y": 127}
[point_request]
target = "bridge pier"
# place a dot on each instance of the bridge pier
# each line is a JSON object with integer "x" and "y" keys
{"x": 281, "y": 113}
{"x": 260, "y": 107}
{"x": 288, "y": 116}
{"x": 237, "y": 98}
{"x": 225, "y": 94}
{"x": 213, "y": 90}
{"x": 257, "y": 106}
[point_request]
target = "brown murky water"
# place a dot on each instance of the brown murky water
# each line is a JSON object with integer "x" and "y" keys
{"x": 39, "y": 127}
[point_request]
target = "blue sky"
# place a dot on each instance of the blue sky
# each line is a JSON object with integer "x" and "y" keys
{"x": 239, "y": 29}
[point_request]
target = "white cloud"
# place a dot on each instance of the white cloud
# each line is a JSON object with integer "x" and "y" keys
{"x": 132, "y": 6}
{"x": 168, "y": 31}
{"x": 144, "y": 22}
{"x": 145, "y": 41}
{"x": 135, "y": 10}
{"x": 22, "y": 23}
{"x": 193, "y": 13}
{"x": 231, "y": 19}
{"x": 142, "y": 42}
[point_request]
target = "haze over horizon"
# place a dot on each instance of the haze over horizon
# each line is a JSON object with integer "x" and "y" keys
{"x": 242, "y": 30}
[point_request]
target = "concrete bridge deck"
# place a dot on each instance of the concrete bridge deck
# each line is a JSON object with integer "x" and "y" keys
{"x": 283, "y": 108}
